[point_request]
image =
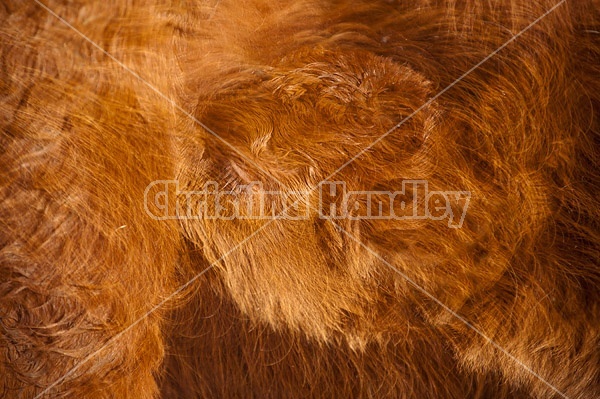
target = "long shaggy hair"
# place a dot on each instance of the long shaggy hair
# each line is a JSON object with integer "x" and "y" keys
{"x": 499, "y": 99}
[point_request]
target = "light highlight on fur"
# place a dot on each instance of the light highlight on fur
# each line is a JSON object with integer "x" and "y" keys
{"x": 300, "y": 309}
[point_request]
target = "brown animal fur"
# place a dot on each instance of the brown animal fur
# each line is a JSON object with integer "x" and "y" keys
{"x": 302, "y": 308}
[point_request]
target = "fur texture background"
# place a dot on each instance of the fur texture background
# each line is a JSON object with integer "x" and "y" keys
{"x": 302, "y": 308}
